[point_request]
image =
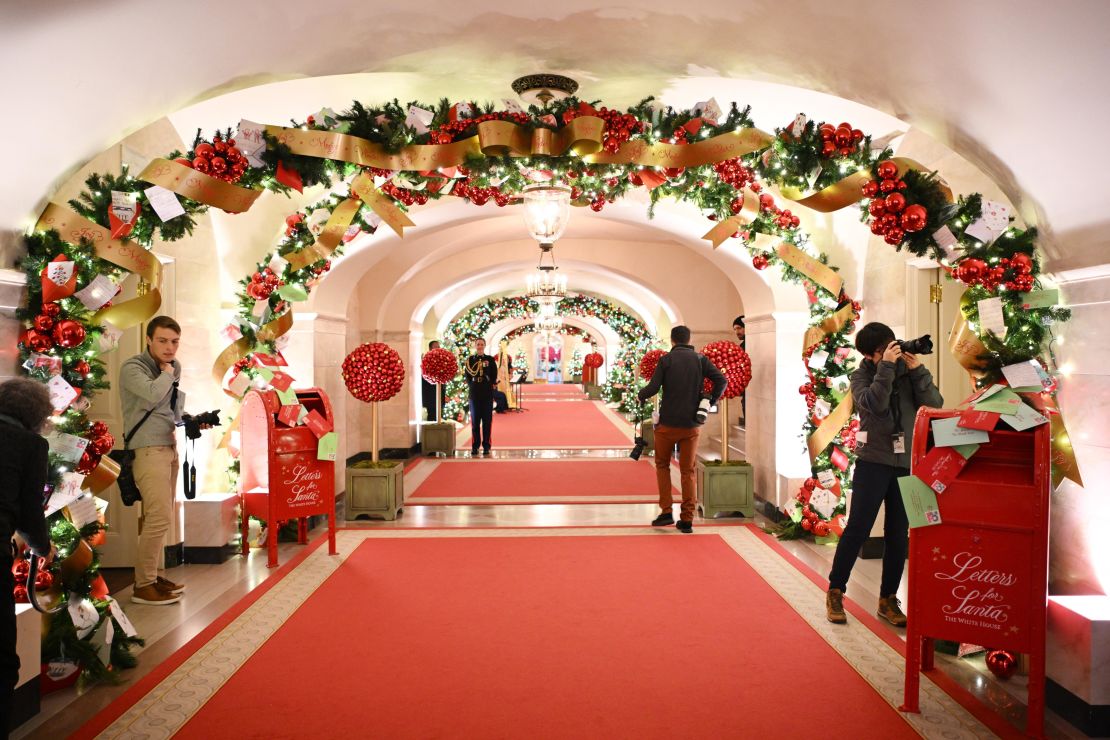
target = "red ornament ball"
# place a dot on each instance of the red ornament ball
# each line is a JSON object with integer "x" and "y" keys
{"x": 20, "y": 594}
{"x": 807, "y": 525}
{"x": 821, "y": 528}
{"x": 44, "y": 580}
{"x": 53, "y": 310}
{"x": 439, "y": 366}
{"x": 373, "y": 372}
{"x": 98, "y": 429}
{"x": 1002, "y": 663}
{"x": 102, "y": 444}
{"x": 895, "y": 202}
{"x": 870, "y": 189}
{"x": 914, "y": 217}
{"x": 759, "y": 262}
{"x": 82, "y": 368}
{"x": 1022, "y": 262}
{"x": 21, "y": 570}
{"x": 894, "y": 236}
{"x": 731, "y": 359}
{"x": 971, "y": 270}
{"x": 43, "y": 323}
{"x": 649, "y": 362}
{"x": 593, "y": 360}
{"x": 69, "y": 333}
{"x": 887, "y": 170}
{"x": 38, "y": 341}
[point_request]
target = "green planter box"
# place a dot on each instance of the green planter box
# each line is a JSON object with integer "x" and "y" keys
{"x": 437, "y": 438}
{"x": 376, "y": 491}
{"x": 593, "y": 392}
{"x": 725, "y": 488}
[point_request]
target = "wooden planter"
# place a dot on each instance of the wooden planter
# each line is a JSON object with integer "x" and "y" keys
{"x": 437, "y": 438}
{"x": 375, "y": 491}
{"x": 593, "y": 392}
{"x": 725, "y": 488}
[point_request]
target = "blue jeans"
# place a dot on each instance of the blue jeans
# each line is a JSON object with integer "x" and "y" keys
{"x": 481, "y": 419}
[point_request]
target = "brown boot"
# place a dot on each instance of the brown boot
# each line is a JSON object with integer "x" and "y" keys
{"x": 834, "y": 606}
{"x": 151, "y": 594}
{"x": 891, "y": 611}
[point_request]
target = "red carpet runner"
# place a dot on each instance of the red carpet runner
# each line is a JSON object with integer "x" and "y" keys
{"x": 556, "y": 424}
{"x": 537, "y": 482}
{"x": 549, "y": 637}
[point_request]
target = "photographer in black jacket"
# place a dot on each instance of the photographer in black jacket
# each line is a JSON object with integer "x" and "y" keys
{"x": 888, "y": 387}
{"x": 681, "y": 374}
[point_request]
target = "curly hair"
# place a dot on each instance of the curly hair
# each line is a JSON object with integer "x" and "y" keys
{"x": 26, "y": 400}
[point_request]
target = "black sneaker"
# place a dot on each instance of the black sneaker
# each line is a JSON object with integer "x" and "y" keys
{"x": 663, "y": 520}
{"x": 474, "y": 452}
{"x": 684, "y": 526}
{"x": 486, "y": 451}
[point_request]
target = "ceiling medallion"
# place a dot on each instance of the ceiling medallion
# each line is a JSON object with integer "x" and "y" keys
{"x": 541, "y": 89}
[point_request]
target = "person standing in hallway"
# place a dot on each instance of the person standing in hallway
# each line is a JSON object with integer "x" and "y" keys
{"x": 152, "y": 408}
{"x": 888, "y": 388}
{"x": 738, "y": 328}
{"x": 428, "y": 390}
{"x": 480, "y": 371}
{"x": 680, "y": 374}
{"x": 24, "y": 408}
{"x": 505, "y": 377}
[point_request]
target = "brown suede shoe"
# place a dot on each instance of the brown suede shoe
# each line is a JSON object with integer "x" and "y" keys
{"x": 834, "y": 606}
{"x": 167, "y": 586}
{"x": 151, "y": 594}
{"x": 891, "y": 611}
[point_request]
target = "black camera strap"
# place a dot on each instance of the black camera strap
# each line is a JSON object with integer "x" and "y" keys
{"x": 127, "y": 437}
{"x": 189, "y": 472}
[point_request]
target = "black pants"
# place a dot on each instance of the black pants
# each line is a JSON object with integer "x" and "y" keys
{"x": 481, "y": 419}
{"x": 9, "y": 658}
{"x": 872, "y": 485}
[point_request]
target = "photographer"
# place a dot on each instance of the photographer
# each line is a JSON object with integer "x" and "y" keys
{"x": 681, "y": 374}
{"x": 887, "y": 388}
{"x": 152, "y": 409}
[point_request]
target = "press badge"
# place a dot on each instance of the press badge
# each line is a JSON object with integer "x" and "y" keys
{"x": 899, "y": 444}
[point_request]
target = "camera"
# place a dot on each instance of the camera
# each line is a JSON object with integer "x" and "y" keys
{"x": 638, "y": 448}
{"x": 923, "y": 345}
{"x": 193, "y": 422}
{"x": 703, "y": 410}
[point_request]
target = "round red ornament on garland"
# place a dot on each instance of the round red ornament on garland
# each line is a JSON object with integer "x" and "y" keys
{"x": 69, "y": 333}
{"x": 374, "y": 372}
{"x": 733, "y": 361}
{"x": 649, "y": 362}
{"x": 759, "y": 262}
{"x": 1002, "y": 663}
{"x": 38, "y": 341}
{"x": 43, "y": 323}
{"x": 439, "y": 366}
{"x": 971, "y": 270}
{"x": 594, "y": 360}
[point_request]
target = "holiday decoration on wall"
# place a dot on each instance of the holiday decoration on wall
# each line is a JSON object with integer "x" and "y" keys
{"x": 417, "y": 152}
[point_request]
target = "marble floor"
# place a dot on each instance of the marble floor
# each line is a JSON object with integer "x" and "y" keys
{"x": 213, "y": 589}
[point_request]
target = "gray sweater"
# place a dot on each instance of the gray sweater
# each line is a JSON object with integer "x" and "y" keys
{"x": 143, "y": 386}
{"x": 873, "y": 387}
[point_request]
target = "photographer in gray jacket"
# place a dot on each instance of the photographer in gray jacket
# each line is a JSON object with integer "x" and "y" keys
{"x": 887, "y": 388}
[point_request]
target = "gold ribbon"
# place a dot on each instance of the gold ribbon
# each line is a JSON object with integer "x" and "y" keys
{"x": 202, "y": 188}
{"x": 849, "y": 190}
{"x": 347, "y": 148}
{"x": 831, "y": 325}
{"x": 717, "y": 149}
{"x": 241, "y": 347}
{"x": 821, "y": 274}
{"x": 104, "y": 475}
{"x": 1064, "y": 464}
{"x": 823, "y": 436}
{"x": 965, "y": 345}
{"x": 582, "y": 136}
{"x": 332, "y": 233}
{"x": 131, "y": 256}
{"x": 726, "y": 228}
{"x": 387, "y": 209}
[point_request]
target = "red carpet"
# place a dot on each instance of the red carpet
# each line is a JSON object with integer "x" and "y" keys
{"x": 523, "y": 481}
{"x": 548, "y": 637}
{"x": 549, "y": 390}
{"x": 556, "y": 424}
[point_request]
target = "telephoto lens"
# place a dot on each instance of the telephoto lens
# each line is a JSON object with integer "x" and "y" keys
{"x": 923, "y": 345}
{"x": 703, "y": 411}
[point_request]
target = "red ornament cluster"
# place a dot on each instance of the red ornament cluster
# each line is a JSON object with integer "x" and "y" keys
{"x": 731, "y": 359}
{"x": 840, "y": 140}
{"x": 784, "y": 219}
{"x": 1014, "y": 273}
{"x": 47, "y": 330}
{"x": 808, "y": 391}
{"x": 453, "y": 130}
{"x": 21, "y": 571}
{"x": 619, "y": 128}
{"x": 100, "y": 444}
{"x": 733, "y": 172}
{"x": 760, "y": 262}
{"x": 479, "y": 196}
{"x": 649, "y": 362}
{"x": 811, "y": 519}
{"x": 594, "y": 360}
{"x": 220, "y": 159}
{"x": 408, "y": 197}
{"x": 373, "y": 372}
{"x": 892, "y": 217}
{"x": 439, "y": 366}
{"x": 263, "y": 283}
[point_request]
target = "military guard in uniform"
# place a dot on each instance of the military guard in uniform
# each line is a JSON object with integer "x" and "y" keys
{"x": 480, "y": 370}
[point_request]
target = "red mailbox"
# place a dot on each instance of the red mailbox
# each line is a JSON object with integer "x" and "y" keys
{"x": 981, "y": 575}
{"x": 280, "y": 477}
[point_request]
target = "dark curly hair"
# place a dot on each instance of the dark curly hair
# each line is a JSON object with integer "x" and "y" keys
{"x": 27, "y": 401}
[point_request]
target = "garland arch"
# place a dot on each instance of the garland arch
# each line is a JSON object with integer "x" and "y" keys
{"x": 401, "y": 156}
{"x": 475, "y": 322}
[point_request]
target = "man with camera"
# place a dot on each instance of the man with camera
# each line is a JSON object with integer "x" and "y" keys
{"x": 681, "y": 374}
{"x": 152, "y": 409}
{"x": 888, "y": 388}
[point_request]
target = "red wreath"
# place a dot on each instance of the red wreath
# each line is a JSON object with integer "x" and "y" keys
{"x": 649, "y": 361}
{"x": 594, "y": 360}
{"x": 373, "y": 372}
{"x": 734, "y": 362}
{"x": 439, "y": 366}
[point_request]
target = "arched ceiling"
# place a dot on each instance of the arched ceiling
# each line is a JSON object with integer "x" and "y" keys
{"x": 1000, "y": 81}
